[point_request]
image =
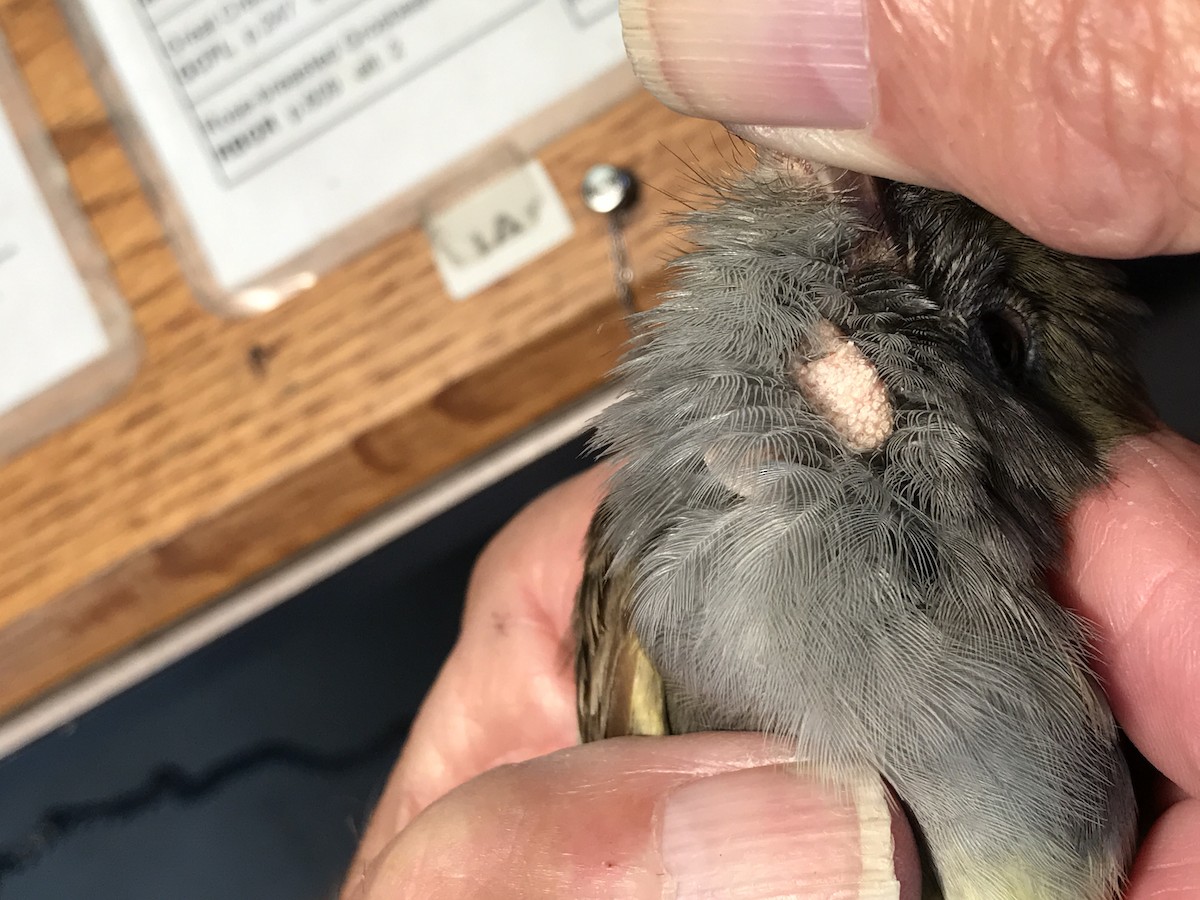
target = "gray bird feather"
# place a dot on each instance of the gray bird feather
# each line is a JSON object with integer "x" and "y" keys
{"x": 887, "y": 608}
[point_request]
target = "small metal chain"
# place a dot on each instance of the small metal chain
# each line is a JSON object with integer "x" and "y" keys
{"x": 622, "y": 268}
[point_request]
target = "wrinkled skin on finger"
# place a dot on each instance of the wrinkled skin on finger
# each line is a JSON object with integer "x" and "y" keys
{"x": 1075, "y": 120}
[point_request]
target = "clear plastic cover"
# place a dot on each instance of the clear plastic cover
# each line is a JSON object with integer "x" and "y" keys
{"x": 67, "y": 339}
{"x": 279, "y": 138}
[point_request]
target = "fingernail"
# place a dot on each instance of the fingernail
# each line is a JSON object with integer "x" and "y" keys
{"x": 770, "y": 832}
{"x": 776, "y": 62}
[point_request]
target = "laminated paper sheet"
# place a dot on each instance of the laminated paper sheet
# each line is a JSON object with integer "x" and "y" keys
{"x": 49, "y": 328}
{"x": 275, "y": 124}
{"x": 67, "y": 341}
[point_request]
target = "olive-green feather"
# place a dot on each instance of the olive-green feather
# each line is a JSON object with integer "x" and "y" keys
{"x": 619, "y": 690}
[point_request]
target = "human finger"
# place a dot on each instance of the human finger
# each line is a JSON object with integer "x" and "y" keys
{"x": 1168, "y": 862}
{"x": 1133, "y": 570}
{"x": 506, "y": 692}
{"x": 1074, "y": 121}
{"x": 703, "y": 815}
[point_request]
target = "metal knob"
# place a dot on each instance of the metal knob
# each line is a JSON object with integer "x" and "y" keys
{"x": 608, "y": 189}
{"x": 611, "y": 191}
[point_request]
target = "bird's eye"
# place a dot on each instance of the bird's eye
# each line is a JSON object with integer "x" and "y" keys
{"x": 1007, "y": 337}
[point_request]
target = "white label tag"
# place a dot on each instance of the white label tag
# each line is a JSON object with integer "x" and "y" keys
{"x": 280, "y": 122}
{"x": 497, "y": 229}
{"x": 48, "y": 325}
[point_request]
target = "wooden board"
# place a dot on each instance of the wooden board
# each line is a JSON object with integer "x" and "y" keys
{"x": 241, "y": 443}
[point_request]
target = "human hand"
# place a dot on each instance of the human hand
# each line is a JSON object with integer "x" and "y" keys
{"x": 1075, "y": 120}
{"x": 674, "y": 816}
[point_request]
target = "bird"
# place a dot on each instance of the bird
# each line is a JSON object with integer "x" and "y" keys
{"x": 845, "y": 445}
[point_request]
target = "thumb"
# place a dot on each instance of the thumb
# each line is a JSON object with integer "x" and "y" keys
{"x": 1072, "y": 120}
{"x": 707, "y": 815}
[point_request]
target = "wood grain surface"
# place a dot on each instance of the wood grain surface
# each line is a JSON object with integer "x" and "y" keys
{"x": 240, "y": 443}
